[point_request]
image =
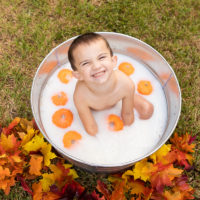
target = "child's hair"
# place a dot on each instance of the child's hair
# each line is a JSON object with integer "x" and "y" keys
{"x": 84, "y": 39}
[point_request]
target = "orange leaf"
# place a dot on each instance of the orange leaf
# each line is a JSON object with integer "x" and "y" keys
{"x": 183, "y": 142}
{"x": 9, "y": 142}
{"x": 163, "y": 176}
{"x": 118, "y": 192}
{"x": 137, "y": 187}
{"x": 6, "y": 184}
{"x": 35, "y": 164}
{"x": 38, "y": 194}
{"x": 4, "y": 172}
{"x": 37, "y": 191}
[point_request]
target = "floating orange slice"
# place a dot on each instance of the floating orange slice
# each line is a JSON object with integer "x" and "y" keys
{"x": 127, "y": 68}
{"x": 144, "y": 87}
{"x": 62, "y": 118}
{"x": 70, "y": 138}
{"x": 65, "y": 75}
{"x": 115, "y": 123}
{"x": 59, "y": 99}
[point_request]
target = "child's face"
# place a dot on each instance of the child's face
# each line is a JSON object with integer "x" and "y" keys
{"x": 93, "y": 62}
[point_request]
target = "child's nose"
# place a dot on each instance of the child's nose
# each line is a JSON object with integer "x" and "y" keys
{"x": 96, "y": 65}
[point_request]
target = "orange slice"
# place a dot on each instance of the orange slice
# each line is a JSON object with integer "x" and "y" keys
{"x": 65, "y": 75}
{"x": 127, "y": 68}
{"x": 59, "y": 99}
{"x": 115, "y": 123}
{"x": 144, "y": 87}
{"x": 62, "y": 118}
{"x": 70, "y": 138}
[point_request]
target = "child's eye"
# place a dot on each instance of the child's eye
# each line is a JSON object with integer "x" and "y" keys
{"x": 102, "y": 57}
{"x": 85, "y": 63}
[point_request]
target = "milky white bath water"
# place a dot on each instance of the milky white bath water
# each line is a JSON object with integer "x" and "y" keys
{"x": 107, "y": 147}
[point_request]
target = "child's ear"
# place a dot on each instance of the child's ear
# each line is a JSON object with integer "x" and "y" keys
{"x": 114, "y": 58}
{"x": 77, "y": 75}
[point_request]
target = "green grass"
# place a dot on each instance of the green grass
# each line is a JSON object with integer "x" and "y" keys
{"x": 31, "y": 28}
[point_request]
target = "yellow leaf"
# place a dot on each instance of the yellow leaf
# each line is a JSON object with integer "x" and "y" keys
{"x": 28, "y": 136}
{"x": 35, "y": 164}
{"x": 67, "y": 166}
{"x": 126, "y": 174}
{"x": 143, "y": 170}
{"x": 48, "y": 155}
{"x": 159, "y": 155}
{"x": 47, "y": 181}
{"x": 72, "y": 172}
{"x": 34, "y": 145}
{"x": 26, "y": 125}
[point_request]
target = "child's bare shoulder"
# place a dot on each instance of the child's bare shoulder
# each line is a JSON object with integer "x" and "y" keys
{"x": 124, "y": 80}
{"x": 80, "y": 92}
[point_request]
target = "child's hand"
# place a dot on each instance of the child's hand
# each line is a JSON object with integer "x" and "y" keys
{"x": 128, "y": 118}
{"x": 92, "y": 129}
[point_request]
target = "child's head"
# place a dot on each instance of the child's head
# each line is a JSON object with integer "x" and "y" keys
{"x": 86, "y": 38}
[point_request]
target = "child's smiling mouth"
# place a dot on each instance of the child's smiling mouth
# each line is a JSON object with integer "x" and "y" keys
{"x": 98, "y": 74}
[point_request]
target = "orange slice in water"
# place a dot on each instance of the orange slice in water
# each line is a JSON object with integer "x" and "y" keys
{"x": 144, "y": 87}
{"x": 115, "y": 123}
{"x": 70, "y": 138}
{"x": 127, "y": 68}
{"x": 59, "y": 99}
{"x": 65, "y": 75}
{"x": 62, "y": 118}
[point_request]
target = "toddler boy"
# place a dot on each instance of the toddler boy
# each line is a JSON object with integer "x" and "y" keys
{"x": 99, "y": 86}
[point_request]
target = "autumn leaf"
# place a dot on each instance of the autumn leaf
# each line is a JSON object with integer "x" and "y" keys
{"x": 26, "y": 125}
{"x": 14, "y": 123}
{"x": 137, "y": 187}
{"x": 37, "y": 191}
{"x": 159, "y": 155}
{"x": 6, "y": 183}
{"x": 46, "y": 151}
{"x": 118, "y": 192}
{"x": 72, "y": 172}
{"x": 46, "y": 181}
{"x": 38, "y": 194}
{"x": 9, "y": 143}
{"x": 24, "y": 185}
{"x": 163, "y": 176}
{"x": 28, "y": 136}
{"x": 102, "y": 188}
{"x": 35, "y": 164}
{"x": 4, "y": 172}
{"x": 127, "y": 174}
{"x": 183, "y": 142}
{"x": 33, "y": 145}
{"x": 143, "y": 170}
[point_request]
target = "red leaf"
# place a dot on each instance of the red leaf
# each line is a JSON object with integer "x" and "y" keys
{"x": 14, "y": 123}
{"x": 24, "y": 185}
{"x": 102, "y": 188}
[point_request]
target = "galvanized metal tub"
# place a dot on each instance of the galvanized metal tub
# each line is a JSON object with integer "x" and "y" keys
{"x": 122, "y": 44}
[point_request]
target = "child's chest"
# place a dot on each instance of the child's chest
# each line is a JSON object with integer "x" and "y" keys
{"x": 105, "y": 101}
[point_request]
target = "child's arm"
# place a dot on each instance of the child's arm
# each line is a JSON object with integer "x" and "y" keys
{"x": 127, "y": 106}
{"x": 86, "y": 117}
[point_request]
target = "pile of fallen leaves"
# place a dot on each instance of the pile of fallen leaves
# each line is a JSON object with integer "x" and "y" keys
{"x": 27, "y": 158}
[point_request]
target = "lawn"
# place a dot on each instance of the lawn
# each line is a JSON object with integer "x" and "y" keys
{"x": 31, "y": 28}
